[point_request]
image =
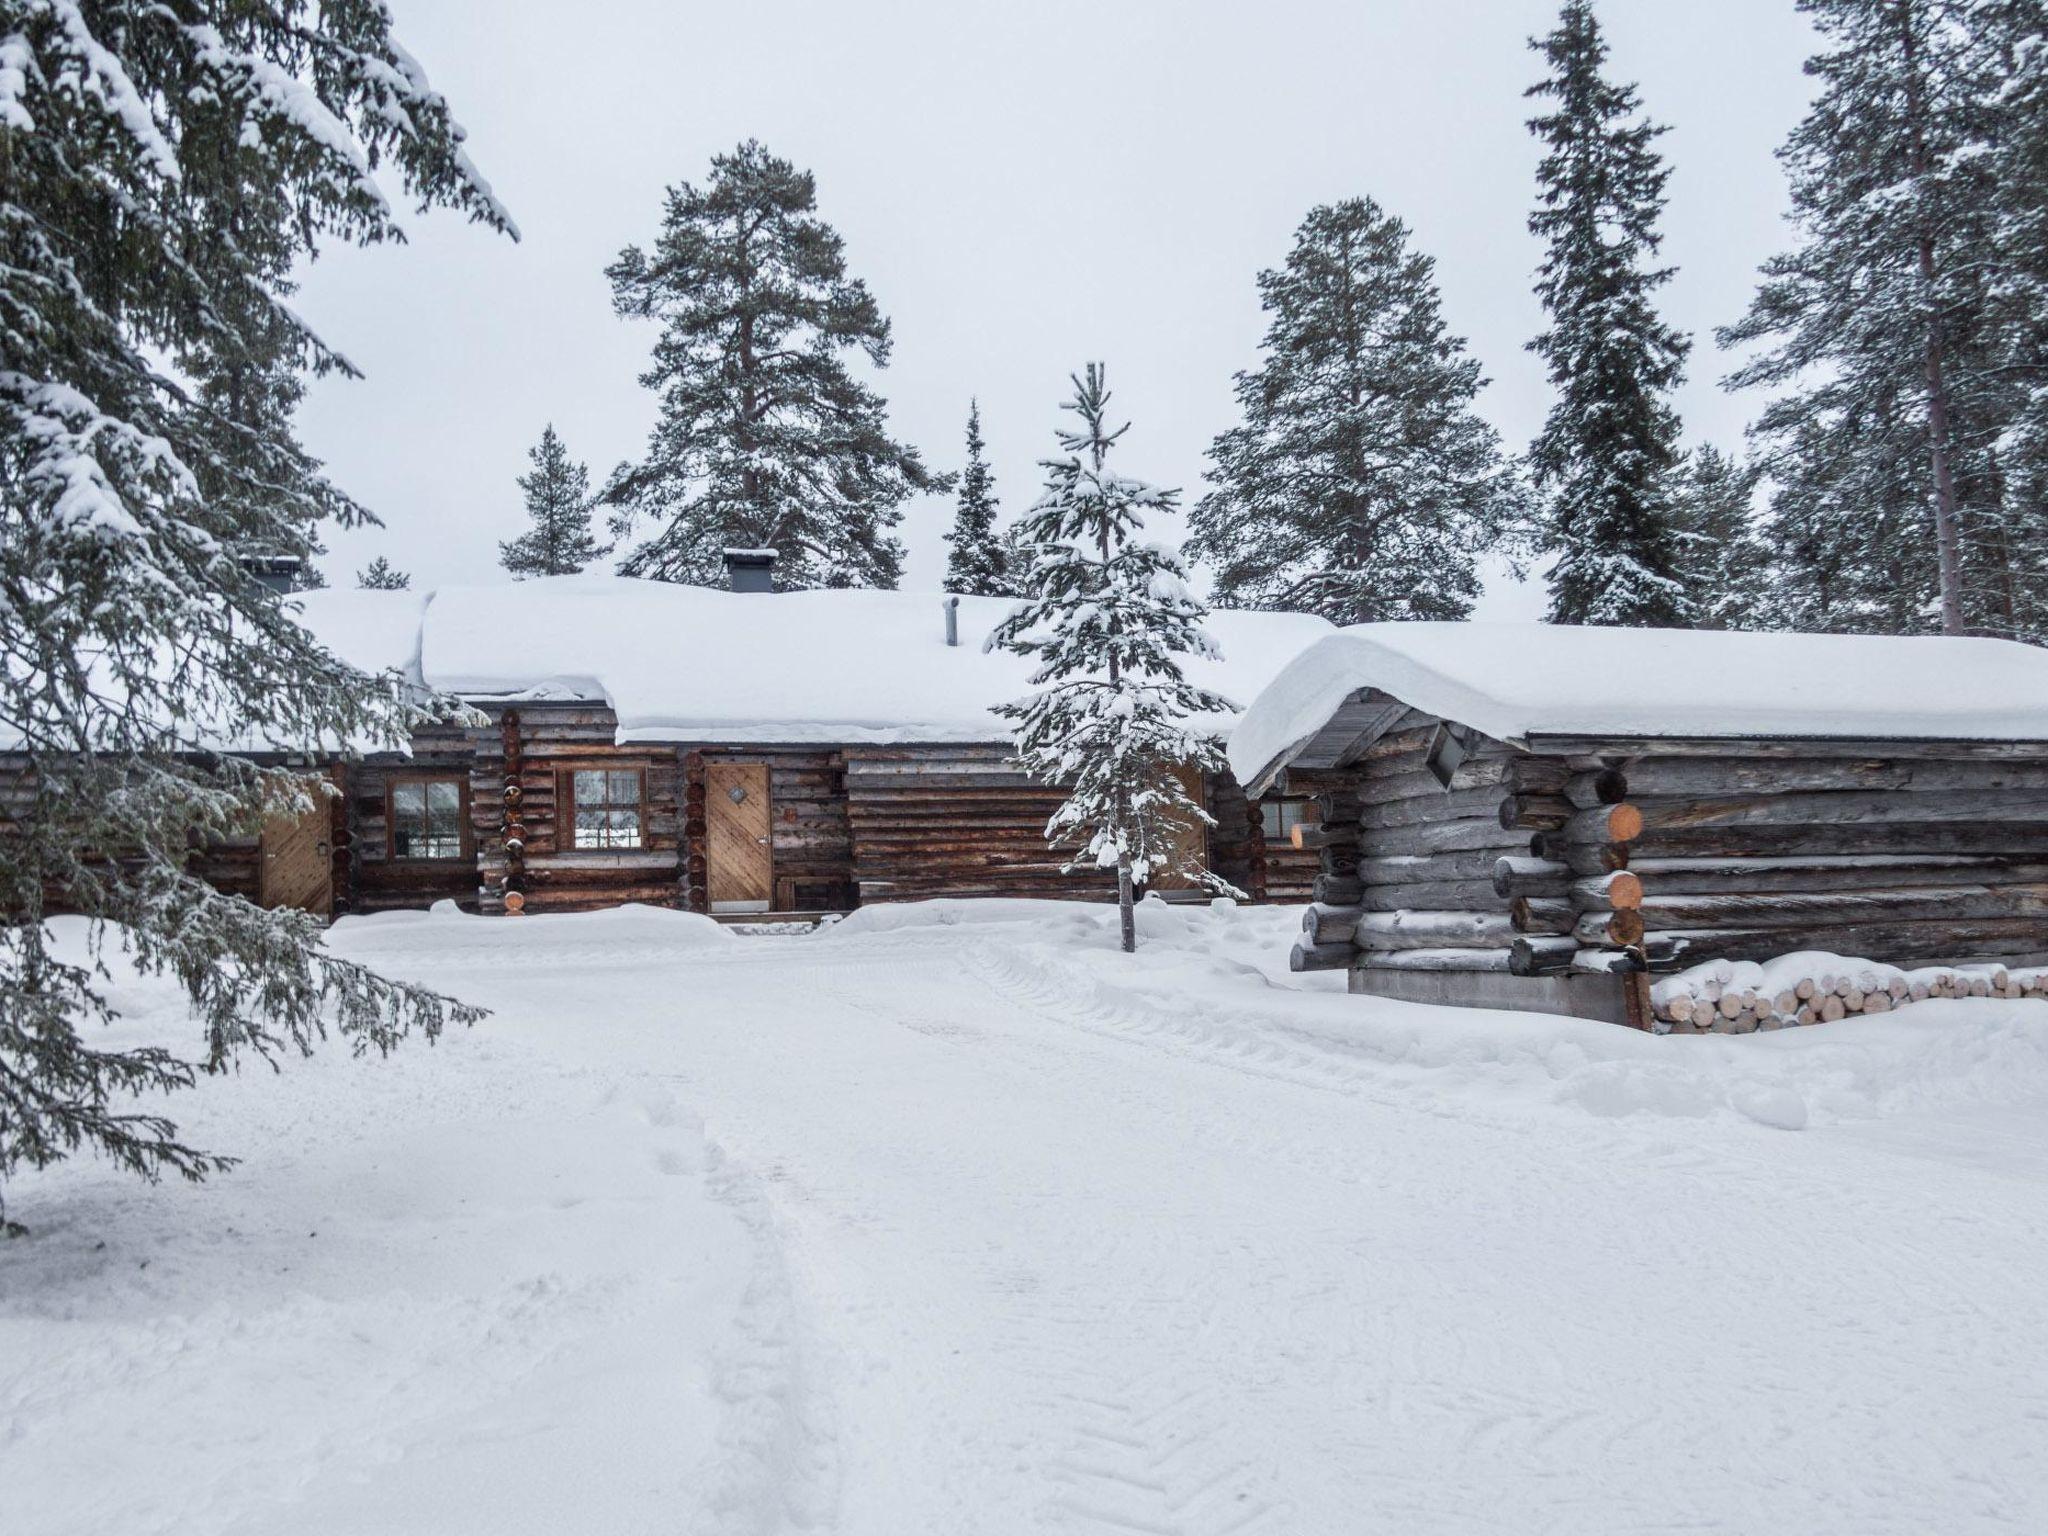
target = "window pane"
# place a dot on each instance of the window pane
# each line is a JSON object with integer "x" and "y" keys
{"x": 625, "y": 829}
{"x": 408, "y": 800}
{"x": 444, "y": 799}
{"x": 590, "y": 786}
{"x": 625, "y": 787}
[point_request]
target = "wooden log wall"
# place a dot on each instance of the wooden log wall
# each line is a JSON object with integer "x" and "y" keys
{"x": 810, "y": 836}
{"x": 367, "y": 879}
{"x": 1263, "y": 868}
{"x": 946, "y": 820}
{"x": 517, "y": 780}
{"x": 1409, "y": 865}
{"x": 1904, "y": 857}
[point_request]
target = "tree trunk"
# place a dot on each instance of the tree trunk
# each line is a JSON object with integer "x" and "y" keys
{"x": 1127, "y": 912}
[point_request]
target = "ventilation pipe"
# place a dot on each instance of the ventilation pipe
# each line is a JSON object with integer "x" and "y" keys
{"x": 952, "y": 621}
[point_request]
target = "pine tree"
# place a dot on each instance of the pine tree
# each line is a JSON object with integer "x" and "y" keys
{"x": 162, "y": 172}
{"x": 558, "y": 500}
{"x": 1713, "y": 505}
{"x": 1604, "y": 461}
{"x": 1105, "y": 618}
{"x": 381, "y": 576}
{"x": 1362, "y": 485}
{"x": 765, "y": 440}
{"x": 978, "y": 564}
{"x": 1878, "y": 328}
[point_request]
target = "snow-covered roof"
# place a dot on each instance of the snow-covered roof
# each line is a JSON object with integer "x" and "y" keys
{"x": 695, "y": 663}
{"x": 1517, "y": 681}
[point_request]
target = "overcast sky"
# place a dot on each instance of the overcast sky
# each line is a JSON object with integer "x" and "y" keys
{"x": 1024, "y": 187}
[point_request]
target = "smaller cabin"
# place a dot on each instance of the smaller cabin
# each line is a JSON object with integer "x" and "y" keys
{"x": 1543, "y": 817}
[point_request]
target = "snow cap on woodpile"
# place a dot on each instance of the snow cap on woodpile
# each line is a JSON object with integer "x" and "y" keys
{"x": 1515, "y": 682}
{"x": 698, "y": 663}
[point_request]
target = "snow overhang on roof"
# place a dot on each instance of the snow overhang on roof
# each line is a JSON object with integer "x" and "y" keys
{"x": 700, "y": 664}
{"x": 1525, "y": 683}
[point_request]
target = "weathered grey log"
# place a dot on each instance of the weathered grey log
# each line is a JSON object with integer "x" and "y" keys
{"x": 1429, "y": 868}
{"x": 1934, "y": 839}
{"x": 1542, "y": 956}
{"x": 1321, "y": 957}
{"x": 1604, "y": 824}
{"x": 1560, "y": 744}
{"x": 1538, "y": 775}
{"x": 1309, "y": 835}
{"x": 1799, "y": 909}
{"x": 1601, "y": 893}
{"x": 1441, "y": 837}
{"x": 1535, "y": 813}
{"x": 1448, "y": 805}
{"x": 1337, "y": 890}
{"x": 1731, "y": 876}
{"x": 1441, "y": 895}
{"x": 1321, "y": 924}
{"x": 1732, "y": 777}
{"x": 1542, "y": 914}
{"x": 1418, "y": 783}
{"x": 1433, "y": 930}
{"x": 1936, "y": 940}
{"x": 1514, "y": 875}
{"x": 1864, "y": 808}
{"x": 1617, "y": 929}
{"x": 1337, "y": 807}
{"x": 1601, "y": 786}
{"x": 1436, "y": 960}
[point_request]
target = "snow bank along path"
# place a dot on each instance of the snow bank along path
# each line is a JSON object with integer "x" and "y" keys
{"x": 952, "y": 1220}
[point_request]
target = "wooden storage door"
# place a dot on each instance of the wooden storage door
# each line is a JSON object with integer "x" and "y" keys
{"x": 1191, "y": 841}
{"x": 295, "y": 860}
{"x": 738, "y": 855}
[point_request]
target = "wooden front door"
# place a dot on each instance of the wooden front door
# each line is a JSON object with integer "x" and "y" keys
{"x": 1191, "y": 841}
{"x": 739, "y": 861}
{"x": 295, "y": 860}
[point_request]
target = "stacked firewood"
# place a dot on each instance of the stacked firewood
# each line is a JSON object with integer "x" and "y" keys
{"x": 1720, "y": 998}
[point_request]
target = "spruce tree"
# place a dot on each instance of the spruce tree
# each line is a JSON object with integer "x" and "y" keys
{"x": 162, "y": 172}
{"x": 765, "y": 439}
{"x": 558, "y": 500}
{"x": 1604, "y": 461}
{"x": 978, "y": 562}
{"x": 1105, "y": 618}
{"x": 1879, "y": 330}
{"x": 1713, "y": 504}
{"x": 1362, "y": 485}
{"x": 381, "y": 576}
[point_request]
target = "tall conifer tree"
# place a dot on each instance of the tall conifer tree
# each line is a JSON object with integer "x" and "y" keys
{"x": 978, "y": 559}
{"x": 1362, "y": 485}
{"x": 1879, "y": 329}
{"x": 1713, "y": 503}
{"x": 1106, "y": 619}
{"x": 558, "y": 501}
{"x": 1604, "y": 461}
{"x": 163, "y": 171}
{"x": 380, "y": 575}
{"x": 765, "y": 440}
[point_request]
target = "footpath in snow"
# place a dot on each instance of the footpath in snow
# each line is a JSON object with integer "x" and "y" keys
{"x": 951, "y": 1219}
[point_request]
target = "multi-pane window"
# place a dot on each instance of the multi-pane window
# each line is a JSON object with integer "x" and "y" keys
{"x": 608, "y": 803}
{"x": 1281, "y": 817}
{"x": 426, "y": 819}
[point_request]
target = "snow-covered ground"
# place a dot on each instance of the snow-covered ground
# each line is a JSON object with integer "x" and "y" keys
{"x": 953, "y": 1220}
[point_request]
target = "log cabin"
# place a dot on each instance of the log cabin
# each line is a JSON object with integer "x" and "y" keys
{"x": 1541, "y": 817}
{"x": 743, "y": 752}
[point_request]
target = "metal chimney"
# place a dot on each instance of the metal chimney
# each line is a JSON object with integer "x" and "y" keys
{"x": 952, "y": 621}
{"x": 750, "y": 570}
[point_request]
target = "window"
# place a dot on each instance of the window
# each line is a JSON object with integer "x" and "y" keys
{"x": 608, "y": 804}
{"x": 426, "y": 819}
{"x": 1281, "y": 817}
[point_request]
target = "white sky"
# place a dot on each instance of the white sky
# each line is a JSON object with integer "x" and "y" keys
{"x": 1024, "y": 187}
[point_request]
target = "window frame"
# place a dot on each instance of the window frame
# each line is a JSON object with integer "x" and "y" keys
{"x": 465, "y": 833}
{"x": 1303, "y": 805}
{"x": 566, "y": 797}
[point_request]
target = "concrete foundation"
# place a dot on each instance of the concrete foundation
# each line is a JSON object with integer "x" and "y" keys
{"x": 1608, "y": 999}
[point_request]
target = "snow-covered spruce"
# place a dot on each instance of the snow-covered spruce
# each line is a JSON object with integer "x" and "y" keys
{"x": 1361, "y": 485}
{"x": 1895, "y": 337}
{"x": 1604, "y": 461}
{"x": 1104, "y": 621}
{"x": 380, "y": 575}
{"x": 765, "y": 440}
{"x": 161, "y": 174}
{"x": 978, "y": 559}
{"x": 558, "y": 503}
{"x": 1728, "y": 561}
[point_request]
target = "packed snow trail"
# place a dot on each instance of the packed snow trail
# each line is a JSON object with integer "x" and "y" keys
{"x": 1024, "y": 1235}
